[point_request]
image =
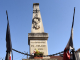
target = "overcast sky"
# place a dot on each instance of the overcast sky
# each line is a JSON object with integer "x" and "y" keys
{"x": 57, "y": 18}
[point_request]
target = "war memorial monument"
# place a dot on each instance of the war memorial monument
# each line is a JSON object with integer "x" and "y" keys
{"x": 37, "y": 39}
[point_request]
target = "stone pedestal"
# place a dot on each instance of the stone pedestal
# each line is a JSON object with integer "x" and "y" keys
{"x": 38, "y": 41}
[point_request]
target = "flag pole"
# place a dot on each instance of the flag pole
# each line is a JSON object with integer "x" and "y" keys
{"x": 8, "y": 41}
{"x": 70, "y": 43}
{"x": 73, "y": 54}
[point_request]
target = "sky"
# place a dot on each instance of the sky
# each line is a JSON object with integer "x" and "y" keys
{"x": 57, "y": 16}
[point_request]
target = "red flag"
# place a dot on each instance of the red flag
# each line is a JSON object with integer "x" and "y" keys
{"x": 10, "y": 56}
{"x": 66, "y": 54}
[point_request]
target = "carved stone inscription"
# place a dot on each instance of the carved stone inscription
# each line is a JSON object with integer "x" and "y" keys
{"x": 36, "y": 22}
{"x": 36, "y": 19}
{"x": 38, "y": 45}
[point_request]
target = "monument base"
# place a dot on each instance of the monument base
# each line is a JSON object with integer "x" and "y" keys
{"x": 38, "y": 41}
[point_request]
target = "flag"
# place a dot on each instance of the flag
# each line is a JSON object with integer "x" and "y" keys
{"x": 10, "y": 56}
{"x": 70, "y": 42}
{"x": 66, "y": 55}
{"x": 8, "y": 41}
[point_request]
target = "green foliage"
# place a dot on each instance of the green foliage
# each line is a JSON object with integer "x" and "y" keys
{"x": 38, "y": 54}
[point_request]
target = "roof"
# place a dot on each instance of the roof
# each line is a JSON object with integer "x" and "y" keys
{"x": 57, "y": 57}
{"x": 78, "y": 49}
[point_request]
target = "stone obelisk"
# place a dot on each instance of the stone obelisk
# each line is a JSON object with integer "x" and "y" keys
{"x": 37, "y": 39}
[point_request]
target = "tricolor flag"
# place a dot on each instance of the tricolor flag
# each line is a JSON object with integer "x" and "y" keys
{"x": 66, "y": 55}
{"x": 8, "y": 41}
